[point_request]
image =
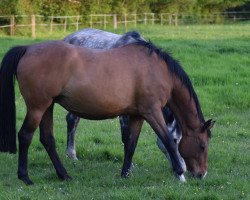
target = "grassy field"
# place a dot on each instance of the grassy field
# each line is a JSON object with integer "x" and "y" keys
{"x": 217, "y": 58}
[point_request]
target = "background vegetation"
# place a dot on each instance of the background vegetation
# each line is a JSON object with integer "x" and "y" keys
{"x": 86, "y": 7}
{"x": 217, "y": 60}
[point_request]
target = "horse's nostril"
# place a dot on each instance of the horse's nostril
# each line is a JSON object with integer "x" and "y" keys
{"x": 199, "y": 175}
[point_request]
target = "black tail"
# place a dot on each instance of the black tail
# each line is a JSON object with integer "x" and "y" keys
{"x": 7, "y": 99}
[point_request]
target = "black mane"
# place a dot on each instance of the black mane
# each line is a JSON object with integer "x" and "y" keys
{"x": 176, "y": 69}
{"x": 133, "y": 34}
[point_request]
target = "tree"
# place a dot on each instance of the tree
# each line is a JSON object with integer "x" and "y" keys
{"x": 8, "y": 7}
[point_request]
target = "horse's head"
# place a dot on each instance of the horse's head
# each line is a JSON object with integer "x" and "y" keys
{"x": 194, "y": 149}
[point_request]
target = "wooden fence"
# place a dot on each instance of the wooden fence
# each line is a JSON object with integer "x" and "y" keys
{"x": 33, "y": 22}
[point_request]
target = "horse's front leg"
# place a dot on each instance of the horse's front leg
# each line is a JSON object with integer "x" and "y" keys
{"x": 168, "y": 117}
{"x": 124, "y": 124}
{"x": 165, "y": 152}
{"x": 48, "y": 141}
{"x": 156, "y": 120}
{"x": 175, "y": 133}
{"x": 72, "y": 122}
{"x": 130, "y": 138}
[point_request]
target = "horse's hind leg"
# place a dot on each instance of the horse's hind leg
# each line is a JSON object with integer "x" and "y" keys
{"x": 72, "y": 122}
{"x": 31, "y": 122}
{"x": 48, "y": 141}
{"x": 130, "y": 141}
{"x": 124, "y": 124}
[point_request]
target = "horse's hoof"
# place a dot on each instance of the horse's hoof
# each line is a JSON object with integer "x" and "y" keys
{"x": 181, "y": 178}
{"x": 132, "y": 166}
{"x": 26, "y": 180}
{"x": 72, "y": 155}
{"x": 125, "y": 174}
{"x": 64, "y": 177}
{"x": 68, "y": 178}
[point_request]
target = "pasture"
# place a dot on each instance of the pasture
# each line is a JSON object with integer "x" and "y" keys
{"x": 217, "y": 59}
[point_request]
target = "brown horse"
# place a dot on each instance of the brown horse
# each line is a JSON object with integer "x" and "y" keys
{"x": 136, "y": 80}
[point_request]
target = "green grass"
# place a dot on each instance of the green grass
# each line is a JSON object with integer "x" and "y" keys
{"x": 217, "y": 58}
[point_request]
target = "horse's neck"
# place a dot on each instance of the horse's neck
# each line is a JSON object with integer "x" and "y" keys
{"x": 184, "y": 107}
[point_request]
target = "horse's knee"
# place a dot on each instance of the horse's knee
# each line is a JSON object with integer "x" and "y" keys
{"x": 167, "y": 143}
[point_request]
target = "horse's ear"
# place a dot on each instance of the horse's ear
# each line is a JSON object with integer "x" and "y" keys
{"x": 208, "y": 125}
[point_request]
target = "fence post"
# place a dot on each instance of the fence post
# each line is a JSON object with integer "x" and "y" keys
{"x": 12, "y": 25}
{"x": 77, "y": 22}
{"x": 170, "y": 19}
{"x": 51, "y": 24}
{"x": 135, "y": 20}
{"x": 161, "y": 20}
{"x": 153, "y": 18}
{"x": 65, "y": 23}
{"x": 105, "y": 21}
{"x": 176, "y": 20}
{"x": 125, "y": 21}
{"x": 115, "y": 21}
{"x": 145, "y": 18}
{"x": 33, "y": 26}
{"x": 90, "y": 21}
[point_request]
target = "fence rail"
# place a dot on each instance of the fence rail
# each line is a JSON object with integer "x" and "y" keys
{"x": 11, "y": 23}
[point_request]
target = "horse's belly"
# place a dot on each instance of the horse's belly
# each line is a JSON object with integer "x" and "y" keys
{"x": 90, "y": 105}
{"x": 92, "y": 111}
